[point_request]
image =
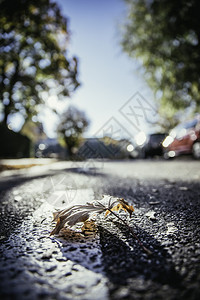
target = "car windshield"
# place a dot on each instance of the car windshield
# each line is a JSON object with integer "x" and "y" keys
{"x": 182, "y": 128}
{"x": 157, "y": 137}
{"x": 190, "y": 124}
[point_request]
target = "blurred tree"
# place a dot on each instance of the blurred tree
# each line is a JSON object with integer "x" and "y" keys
{"x": 33, "y": 62}
{"x": 165, "y": 36}
{"x": 34, "y": 131}
{"x": 71, "y": 128}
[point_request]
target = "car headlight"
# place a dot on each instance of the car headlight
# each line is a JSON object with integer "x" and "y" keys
{"x": 140, "y": 138}
{"x": 130, "y": 148}
{"x": 167, "y": 141}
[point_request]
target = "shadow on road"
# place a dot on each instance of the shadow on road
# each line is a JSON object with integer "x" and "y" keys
{"x": 124, "y": 261}
{"x": 121, "y": 259}
{"x": 18, "y": 178}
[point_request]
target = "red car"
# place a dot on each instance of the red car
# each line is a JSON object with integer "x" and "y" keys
{"x": 184, "y": 139}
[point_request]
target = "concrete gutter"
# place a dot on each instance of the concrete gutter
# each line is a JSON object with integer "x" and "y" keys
{"x": 22, "y": 163}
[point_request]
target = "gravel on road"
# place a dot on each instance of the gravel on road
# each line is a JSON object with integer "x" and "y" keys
{"x": 112, "y": 265}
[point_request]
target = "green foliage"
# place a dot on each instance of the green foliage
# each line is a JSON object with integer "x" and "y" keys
{"x": 33, "y": 57}
{"x": 165, "y": 36}
{"x": 71, "y": 128}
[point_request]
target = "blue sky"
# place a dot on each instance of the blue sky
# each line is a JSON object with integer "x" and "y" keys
{"x": 108, "y": 77}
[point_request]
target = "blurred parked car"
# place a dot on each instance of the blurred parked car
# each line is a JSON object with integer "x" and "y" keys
{"x": 148, "y": 145}
{"x": 184, "y": 139}
{"x": 153, "y": 146}
{"x": 49, "y": 148}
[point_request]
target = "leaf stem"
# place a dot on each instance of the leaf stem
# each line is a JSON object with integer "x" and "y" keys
{"x": 147, "y": 251}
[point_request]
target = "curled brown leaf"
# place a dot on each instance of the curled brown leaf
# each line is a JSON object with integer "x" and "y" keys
{"x": 121, "y": 205}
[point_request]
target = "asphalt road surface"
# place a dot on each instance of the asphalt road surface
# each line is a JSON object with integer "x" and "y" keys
{"x": 110, "y": 265}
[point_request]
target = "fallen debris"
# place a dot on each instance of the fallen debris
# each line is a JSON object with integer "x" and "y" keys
{"x": 83, "y": 213}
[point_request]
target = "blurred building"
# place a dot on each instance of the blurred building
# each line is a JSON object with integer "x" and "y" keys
{"x": 13, "y": 144}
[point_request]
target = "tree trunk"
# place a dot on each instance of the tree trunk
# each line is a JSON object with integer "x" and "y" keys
{"x": 69, "y": 152}
{"x": 6, "y": 113}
